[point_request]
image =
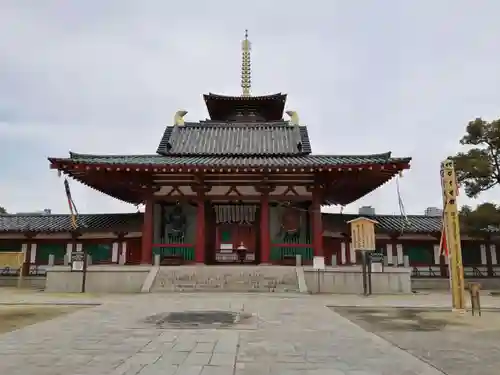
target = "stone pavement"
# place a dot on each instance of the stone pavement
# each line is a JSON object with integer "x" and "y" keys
{"x": 285, "y": 335}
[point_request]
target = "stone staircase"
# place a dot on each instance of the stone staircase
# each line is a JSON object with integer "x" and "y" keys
{"x": 226, "y": 279}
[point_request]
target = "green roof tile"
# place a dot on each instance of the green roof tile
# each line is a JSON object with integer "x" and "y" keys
{"x": 62, "y": 223}
{"x": 241, "y": 161}
{"x": 133, "y": 222}
{"x": 387, "y": 223}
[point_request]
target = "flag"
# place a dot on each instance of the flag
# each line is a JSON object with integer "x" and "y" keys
{"x": 72, "y": 208}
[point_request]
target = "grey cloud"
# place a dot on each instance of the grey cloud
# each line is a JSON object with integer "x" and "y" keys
{"x": 366, "y": 77}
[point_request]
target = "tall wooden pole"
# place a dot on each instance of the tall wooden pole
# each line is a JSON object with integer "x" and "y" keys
{"x": 452, "y": 232}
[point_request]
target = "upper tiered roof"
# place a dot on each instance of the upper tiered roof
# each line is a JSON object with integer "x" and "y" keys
{"x": 244, "y": 134}
{"x": 210, "y": 138}
{"x": 245, "y": 108}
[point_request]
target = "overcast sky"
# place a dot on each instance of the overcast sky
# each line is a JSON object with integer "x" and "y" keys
{"x": 366, "y": 76}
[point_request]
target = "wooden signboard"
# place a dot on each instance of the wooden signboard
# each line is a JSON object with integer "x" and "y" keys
{"x": 363, "y": 233}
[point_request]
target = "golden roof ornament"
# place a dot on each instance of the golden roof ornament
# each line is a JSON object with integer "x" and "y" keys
{"x": 246, "y": 69}
{"x": 179, "y": 117}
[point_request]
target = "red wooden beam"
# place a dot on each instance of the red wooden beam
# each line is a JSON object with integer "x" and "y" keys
{"x": 67, "y": 163}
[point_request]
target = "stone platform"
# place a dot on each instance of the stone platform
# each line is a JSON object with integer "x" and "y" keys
{"x": 199, "y": 278}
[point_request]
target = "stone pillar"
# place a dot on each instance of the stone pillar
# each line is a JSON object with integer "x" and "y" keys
{"x": 484, "y": 257}
{"x": 115, "y": 252}
{"x": 406, "y": 261}
{"x": 437, "y": 254}
{"x": 343, "y": 253}
{"x": 298, "y": 260}
{"x": 493, "y": 252}
{"x": 119, "y": 247}
{"x": 32, "y": 253}
{"x": 147, "y": 233}
{"x": 199, "y": 252}
{"x": 265, "y": 250}
{"x": 399, "y": 252}
{"x": 317, "y": 224}
{"x": 352, "y": 254}
{"x": 123, "y": 253}
{"x": 69, "y": 249}
{"x": 389, "y": 251}
{"x": 334, "y": 260}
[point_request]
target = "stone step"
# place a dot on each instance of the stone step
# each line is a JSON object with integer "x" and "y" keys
{"x": 215, "y": 290}
{"x": 185, "y": 279}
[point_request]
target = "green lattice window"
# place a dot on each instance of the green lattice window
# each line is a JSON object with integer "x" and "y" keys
{"x": 225, "y": 236}
{"x": 10, "y": 245}
{"x": 419, "y": 255}
{"x": 280, "y": 252}
{"x": 186, "y": 252}
{"x": 43, "y": 251}
{"x": 100, "y": 253}
{"x": 471, "y": 254}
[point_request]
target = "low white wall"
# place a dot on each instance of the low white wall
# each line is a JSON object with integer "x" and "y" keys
{"x": 29, "y": 282}
{"x": 444, "y": 283}
{"x": 349, "y": 280}
{"x": 100, "y": 279}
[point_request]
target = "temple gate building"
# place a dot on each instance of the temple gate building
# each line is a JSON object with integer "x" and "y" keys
{"x": 244, "y": 178}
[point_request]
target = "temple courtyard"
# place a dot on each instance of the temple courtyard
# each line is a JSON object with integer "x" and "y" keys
{"x": 224, "y": 333}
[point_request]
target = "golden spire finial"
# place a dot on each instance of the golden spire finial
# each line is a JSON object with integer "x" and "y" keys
{"x": 246, "y": 82}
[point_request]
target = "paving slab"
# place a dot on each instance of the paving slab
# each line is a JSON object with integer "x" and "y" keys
{"x": 271, "y": 334}
{"x": 455, "y": 343}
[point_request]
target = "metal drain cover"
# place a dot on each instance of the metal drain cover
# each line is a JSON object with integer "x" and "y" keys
{"x": 197, "y": 319}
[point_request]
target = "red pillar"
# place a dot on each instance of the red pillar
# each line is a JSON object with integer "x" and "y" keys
{"x": 317, "y": 224}
{"x": 199, "y": 252}
{"x": 265, "y": 245}
{"x": 147, "y": 233}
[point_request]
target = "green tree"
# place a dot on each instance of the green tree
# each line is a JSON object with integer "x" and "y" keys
{"x": 482, "y": 221}
{"x": 478, "y": 169}
{"x": 2, "y": 210}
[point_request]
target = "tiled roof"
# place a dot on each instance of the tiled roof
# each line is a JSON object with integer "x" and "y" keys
{"x": 267, "y": 107}
{"x": 258, "y": 98}
{"x": 133, "y": 222}
{"x": 231, "y": 139}
{"x": 62, "y": 223}
{"x": 387, "y": 223}
{"x": 224, "y": 161}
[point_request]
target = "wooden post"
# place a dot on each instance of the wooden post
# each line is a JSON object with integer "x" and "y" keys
{"x": 317, "y": 223}
{"x": 147, "y": 232}
{"x": 264, "y": 229}
{"x": 452, "y": 232}
{"x": 199, "y": 252}
{"x": 26, "y": 265}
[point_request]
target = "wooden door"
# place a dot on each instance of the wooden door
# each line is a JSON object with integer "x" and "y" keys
{"x": 134, "y": 246}
{"x": 332, "y": 248}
